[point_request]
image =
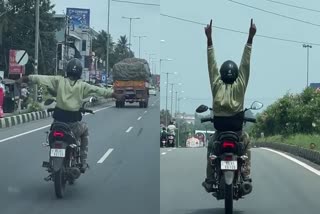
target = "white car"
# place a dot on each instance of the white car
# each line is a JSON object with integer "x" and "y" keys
{"x": 152, "y": 91}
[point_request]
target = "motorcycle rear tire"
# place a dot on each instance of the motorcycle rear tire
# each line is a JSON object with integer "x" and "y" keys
{"x": 59, "y": 183}
{"x": 228, "y": 199}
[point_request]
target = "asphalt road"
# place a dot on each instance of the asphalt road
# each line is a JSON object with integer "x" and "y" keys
{"x": 127, "y": 181}
{"x": 280, "y": 185}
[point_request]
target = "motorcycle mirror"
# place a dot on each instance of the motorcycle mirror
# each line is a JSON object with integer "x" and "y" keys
{"x": 48, "y": 101}
{"x": 256, "y": 105}
{"x": 202, "y": 108}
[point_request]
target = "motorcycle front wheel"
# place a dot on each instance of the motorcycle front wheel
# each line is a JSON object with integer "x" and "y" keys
{"x": 60, "y": 182}
{"x": 228, "y": 199}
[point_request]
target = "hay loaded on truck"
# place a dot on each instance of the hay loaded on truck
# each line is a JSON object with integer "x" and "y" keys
{"x": 131, "y": 77}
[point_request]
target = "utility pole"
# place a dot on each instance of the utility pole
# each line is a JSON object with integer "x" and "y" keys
{"x": 36, "y": 54}
{"x": 139, "y": 42}
{"x": 108, "y": 39}
{"x": 130, "y": 18}
{"x": 171, "y": 99}
{"x": 307, "y": 46}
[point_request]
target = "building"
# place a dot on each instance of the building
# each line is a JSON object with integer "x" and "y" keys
{"x": 79, "y": 45}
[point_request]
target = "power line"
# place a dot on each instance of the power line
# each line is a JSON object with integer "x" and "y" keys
{"x": 140, "y": 3}
{"x": 277, "y": 14}
{"x": 294, "y": 6}
{"x": 242, "y": 32}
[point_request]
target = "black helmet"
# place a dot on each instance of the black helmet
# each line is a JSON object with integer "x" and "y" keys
{"x": 74, "y": 69}
{"x": 229, "y": 72}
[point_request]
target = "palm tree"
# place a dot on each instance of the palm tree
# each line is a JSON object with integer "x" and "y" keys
{"x": 99, "y": 45}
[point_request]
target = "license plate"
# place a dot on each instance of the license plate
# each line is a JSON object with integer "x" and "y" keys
{"x": 171, "y": 137}
{"x": 61, "y": 153}
{"x": 229, "y": 165}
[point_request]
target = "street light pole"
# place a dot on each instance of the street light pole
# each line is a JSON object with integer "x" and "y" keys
{"x": 139, "y": 42}
{"x": 307, "y": 46}
{"x": 130, "y": 18}
{"x": 36, "y": 55}
{"x": 171, "y": 99}
{"x": 108, "y": 39}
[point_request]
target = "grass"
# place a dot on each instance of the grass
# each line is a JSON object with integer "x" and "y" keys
{"x": 301, "y": 140}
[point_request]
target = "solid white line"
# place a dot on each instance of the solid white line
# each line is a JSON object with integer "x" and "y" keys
{"x": 174, "y": 148}
{"x": 163, "y": 153}
{"x": 169, "y": 150}
{"x": 25, "y": 133}
{"x": 145, "y": 112}
{"x": 129, "y": 129}
{"x": 139, "y": 118}
{"x": 306, "y": 166}
{"x": 38, "y": 129}
{"x": 105, "y": 156}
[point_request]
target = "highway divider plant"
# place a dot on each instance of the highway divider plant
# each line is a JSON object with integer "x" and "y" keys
{"x": 292, "y": 118}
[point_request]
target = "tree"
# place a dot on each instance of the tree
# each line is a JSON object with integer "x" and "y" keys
{"x": 163, "y": 114}
{"x": 99, "y": 46}
{"x": 21, "y": 33}
{"x": 121, "y": 51}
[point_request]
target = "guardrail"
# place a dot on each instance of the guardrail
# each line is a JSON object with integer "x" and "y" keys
{"x": 308, "y": 154}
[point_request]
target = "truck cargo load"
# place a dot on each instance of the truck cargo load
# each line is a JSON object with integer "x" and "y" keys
{"x": 132, "y": 77}
{"x": 131, "y": 69}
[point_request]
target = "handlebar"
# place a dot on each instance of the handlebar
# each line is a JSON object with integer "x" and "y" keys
{"x": 210, "y": 119}
{"x": 251, "y": 120}
{"x": 82, "y": 110}
{"x": 206, "y": 119}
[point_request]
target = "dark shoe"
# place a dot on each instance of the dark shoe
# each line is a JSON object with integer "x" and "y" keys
{"x": 83, "y": 167}
{"x": 208, "y": 186}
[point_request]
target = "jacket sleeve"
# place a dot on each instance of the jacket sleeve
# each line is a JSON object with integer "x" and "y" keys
{"x": 212, "y": 67}
{"x": 244, "y": 69}
{"x": 91, "y": 89}
{"x": 51, "y": 81}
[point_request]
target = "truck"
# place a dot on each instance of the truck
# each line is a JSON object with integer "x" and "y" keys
{"x": 131, "y": 77}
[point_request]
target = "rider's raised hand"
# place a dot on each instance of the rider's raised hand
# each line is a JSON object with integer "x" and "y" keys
{"x": 252, "y": 30}
{"x": 208, "y": 31}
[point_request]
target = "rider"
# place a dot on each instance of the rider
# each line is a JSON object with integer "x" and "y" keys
{"x": 171, "y": 128}
{"x": 70, "y": 92}
{"x": 163, "y": 135}
{"x": 228, "y": 90}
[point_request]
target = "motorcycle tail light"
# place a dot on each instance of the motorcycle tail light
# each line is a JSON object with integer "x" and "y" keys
{"x": 228, "y": 145}
{"x": 58, "y": 134}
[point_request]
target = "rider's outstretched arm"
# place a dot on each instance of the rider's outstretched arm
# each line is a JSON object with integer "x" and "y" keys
{"x": 244, "y": 69}
{"x": 212, "y": 64}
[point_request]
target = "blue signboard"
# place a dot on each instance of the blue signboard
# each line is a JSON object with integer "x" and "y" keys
{"x": 79, "y": 19}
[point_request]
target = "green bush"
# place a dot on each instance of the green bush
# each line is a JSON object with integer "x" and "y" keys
{"x": 35, "y": 106}
{"x": 290, "y": 115}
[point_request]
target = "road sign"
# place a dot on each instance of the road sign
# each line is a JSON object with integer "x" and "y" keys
{"x": 22, "y": 57}
{"x": 104, "y": 78}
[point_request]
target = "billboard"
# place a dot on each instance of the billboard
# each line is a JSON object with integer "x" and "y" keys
{"x": 79, "y": 19}
{"x": 14, "y": 67}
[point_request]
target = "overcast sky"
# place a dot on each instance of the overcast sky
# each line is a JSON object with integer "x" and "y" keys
{"x": 148, "y": 25}
{"x": 276, "y": 66}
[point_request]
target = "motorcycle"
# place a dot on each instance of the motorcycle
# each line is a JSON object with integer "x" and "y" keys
{"x": 64, "y": 155}
{"x": 170, "y": 142}
{"x": 163, "y": 143}
{"x": 228, "y": 159}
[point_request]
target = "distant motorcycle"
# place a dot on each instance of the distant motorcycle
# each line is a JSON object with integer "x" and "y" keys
{"x": 229, "y": 159}
{"x": 64, "y": 156}
{"x": 171, "y": 140}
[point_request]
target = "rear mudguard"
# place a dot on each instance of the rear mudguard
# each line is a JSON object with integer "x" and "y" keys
{"x": 57, "y": 163}
{"x": 228, "y": 177}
